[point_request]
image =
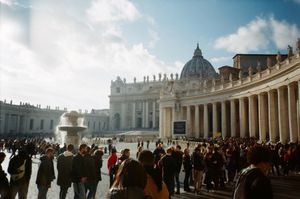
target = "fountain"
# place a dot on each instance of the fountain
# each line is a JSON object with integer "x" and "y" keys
{"x": 70, "y": 126}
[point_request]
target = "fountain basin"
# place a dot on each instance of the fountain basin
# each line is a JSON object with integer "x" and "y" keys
{"x": 70, "y": 126}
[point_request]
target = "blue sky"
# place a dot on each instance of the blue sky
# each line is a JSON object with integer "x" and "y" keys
{"x": 66, "y": 52}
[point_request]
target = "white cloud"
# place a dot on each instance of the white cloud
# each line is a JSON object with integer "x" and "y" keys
{"x": 71, "y": 60}
{"x": 218, "y": 60}
{"x": 247, "y": 38}
{"x": 104, "y": 11}
{"x": 284, "y": 33}
{"x": 154, "y": 38}
{"x": 150, "y": 20}
{"x": 258, "y": 34}
{"x": 297, "y": 1}
{"x": 6, "y": 2}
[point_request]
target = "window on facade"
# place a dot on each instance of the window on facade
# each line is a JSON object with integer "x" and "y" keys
{"x": 51, "y": 124}
{"x": 94, "y": 125}
{"x": 88, "y": 124}
{"x": 99, "y": 126}
{"x": 118, "y": 89}
{"x": 31, "y": 124}
{"x": 42, "y": 125}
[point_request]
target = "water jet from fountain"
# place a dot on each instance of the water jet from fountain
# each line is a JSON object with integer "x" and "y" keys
{"x": 70, "y": 128}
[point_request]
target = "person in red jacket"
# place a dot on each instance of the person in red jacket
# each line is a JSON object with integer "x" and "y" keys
{"x": 111, "y": 162}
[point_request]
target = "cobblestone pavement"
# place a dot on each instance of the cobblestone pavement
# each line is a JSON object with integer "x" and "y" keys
{"x": 283, "y": 187}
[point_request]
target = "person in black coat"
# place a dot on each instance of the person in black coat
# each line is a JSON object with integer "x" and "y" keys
{"x": 64, "y": 170}
{"x": 79, "y": 172}
{"x": 45, "y": 173}
{"x": 4, "y": 184}
{"x": 177, "y": 154}
{"x": 94, "y": 164}
{"x": 91, "y": 173}
{"x": 19, "y": 168}
{"x": 167, "y": 164}
{"x": 253, "y": 181}
{"x": 158, "y": 153}
{"x": 187, "y": 166}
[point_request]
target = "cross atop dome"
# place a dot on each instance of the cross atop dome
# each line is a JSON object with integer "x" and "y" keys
{"x": 197, "y": 52}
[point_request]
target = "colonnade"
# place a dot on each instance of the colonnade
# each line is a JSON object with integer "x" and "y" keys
{"x": 271, "y": 115}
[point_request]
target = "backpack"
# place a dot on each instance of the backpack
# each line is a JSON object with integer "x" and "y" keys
{"x": 20, "y": 174}
{"x": 243, "y": 183}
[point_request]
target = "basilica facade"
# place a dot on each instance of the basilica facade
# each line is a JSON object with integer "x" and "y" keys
{"x": 258, "y": 97}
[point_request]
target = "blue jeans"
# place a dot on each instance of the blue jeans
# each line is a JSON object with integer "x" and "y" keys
{"x": 79, "y": 190}
{"x": 42, "y": 192}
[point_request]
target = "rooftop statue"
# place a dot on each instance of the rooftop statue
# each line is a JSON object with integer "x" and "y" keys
{"x": 278, "y": 57}
{"x": 290, "y": 52}
{"x": 298, "y": 46}
{"x": 269, "y": 62}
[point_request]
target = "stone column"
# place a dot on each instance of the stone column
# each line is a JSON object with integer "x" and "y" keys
{"x": 292, "y": 108}
{"x": 224, "y": 119}
{"x": 18, "y": 124}
{"x": 123, "y": 116}
{"x": 232, "y": 118}
{"x": 283, "y": 115}
{"x": 215, "y": 118}
{"x": 205, "y": 118}
{"x": 143, "y": 114}
{"x": 161, "y": 122}
{"x": 197, "y": 121}
{"x": 253, "y": 125}
{"x": 273, "y": 116}
{"x": 168, "y": 115}
{"x": 188, "y": 118}
{"x": 8, "y": 123}
{"x": 153, "y": 115}
{"x": 147, "y": 114}
{"x": 133, "y": 116}
{"x": 262, "y": 117}
{"x": 174, "y": 114}
{"x": 243, "y": 118}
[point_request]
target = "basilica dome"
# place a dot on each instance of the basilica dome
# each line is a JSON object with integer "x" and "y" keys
{"x": 198, "y": 67}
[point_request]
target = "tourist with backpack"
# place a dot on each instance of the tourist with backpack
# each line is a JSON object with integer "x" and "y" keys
{"x": 19, "y": 169}
{"x": 253, "y": 182}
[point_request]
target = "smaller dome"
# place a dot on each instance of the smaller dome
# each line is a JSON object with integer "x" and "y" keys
{"x": 198, "y": 67}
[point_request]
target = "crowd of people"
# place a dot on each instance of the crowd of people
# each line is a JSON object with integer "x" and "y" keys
{"x": 150, "y": 174}
{"x": 81, "y": 169}
{"x": 214, "y": 164}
